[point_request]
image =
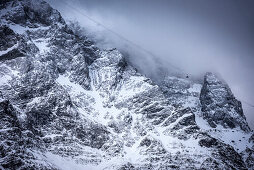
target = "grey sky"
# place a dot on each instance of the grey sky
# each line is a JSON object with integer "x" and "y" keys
{"x": 195, "y": 35}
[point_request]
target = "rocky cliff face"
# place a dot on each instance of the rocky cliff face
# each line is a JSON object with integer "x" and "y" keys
{"x": 219, "y": 105}
{"x": 67, "y": 104}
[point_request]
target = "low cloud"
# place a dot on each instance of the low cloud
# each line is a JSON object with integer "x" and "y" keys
{"x": 185, "y": 36}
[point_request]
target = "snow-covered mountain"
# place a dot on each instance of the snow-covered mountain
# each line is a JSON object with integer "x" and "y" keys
{"x": 66, "y": 104}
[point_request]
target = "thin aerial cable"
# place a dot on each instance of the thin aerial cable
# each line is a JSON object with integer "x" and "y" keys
{"x": 247, "y": 103}
{"x": 119, "y": 35}
{"x": 129, "y": 41}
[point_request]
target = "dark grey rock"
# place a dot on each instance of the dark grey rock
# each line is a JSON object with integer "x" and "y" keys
{"x": 8, "y": 38}
{"x": 219, "y": 105}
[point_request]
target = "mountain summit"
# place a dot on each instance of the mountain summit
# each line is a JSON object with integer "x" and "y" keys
{"x": 67, "y": 104}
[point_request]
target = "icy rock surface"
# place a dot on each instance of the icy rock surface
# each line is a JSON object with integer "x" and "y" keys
{"x": 66, "y": 104}
{"x": 219, "y": 105}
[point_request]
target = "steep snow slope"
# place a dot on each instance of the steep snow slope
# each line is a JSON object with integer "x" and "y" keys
{"x": 65, "y": 104}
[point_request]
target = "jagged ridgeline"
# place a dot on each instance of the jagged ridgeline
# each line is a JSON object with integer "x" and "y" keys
{"x": 66, "y": 104}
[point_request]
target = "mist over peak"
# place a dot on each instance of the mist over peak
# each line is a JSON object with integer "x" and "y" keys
{"x": 193, "y": 36}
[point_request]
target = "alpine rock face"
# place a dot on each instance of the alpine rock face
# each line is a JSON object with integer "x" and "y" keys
{"x": 66, "y": 104}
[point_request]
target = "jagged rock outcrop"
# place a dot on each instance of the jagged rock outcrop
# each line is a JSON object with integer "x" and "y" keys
{"x": 219, "y": 106}
{"x": 31, "y": 13}
{"x": 66, "y": 104}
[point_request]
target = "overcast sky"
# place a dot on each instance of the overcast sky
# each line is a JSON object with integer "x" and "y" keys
{"x": 194, "y": 35}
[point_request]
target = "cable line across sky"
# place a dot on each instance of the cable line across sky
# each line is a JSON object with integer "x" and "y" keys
{"x": 133, "y": 44}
